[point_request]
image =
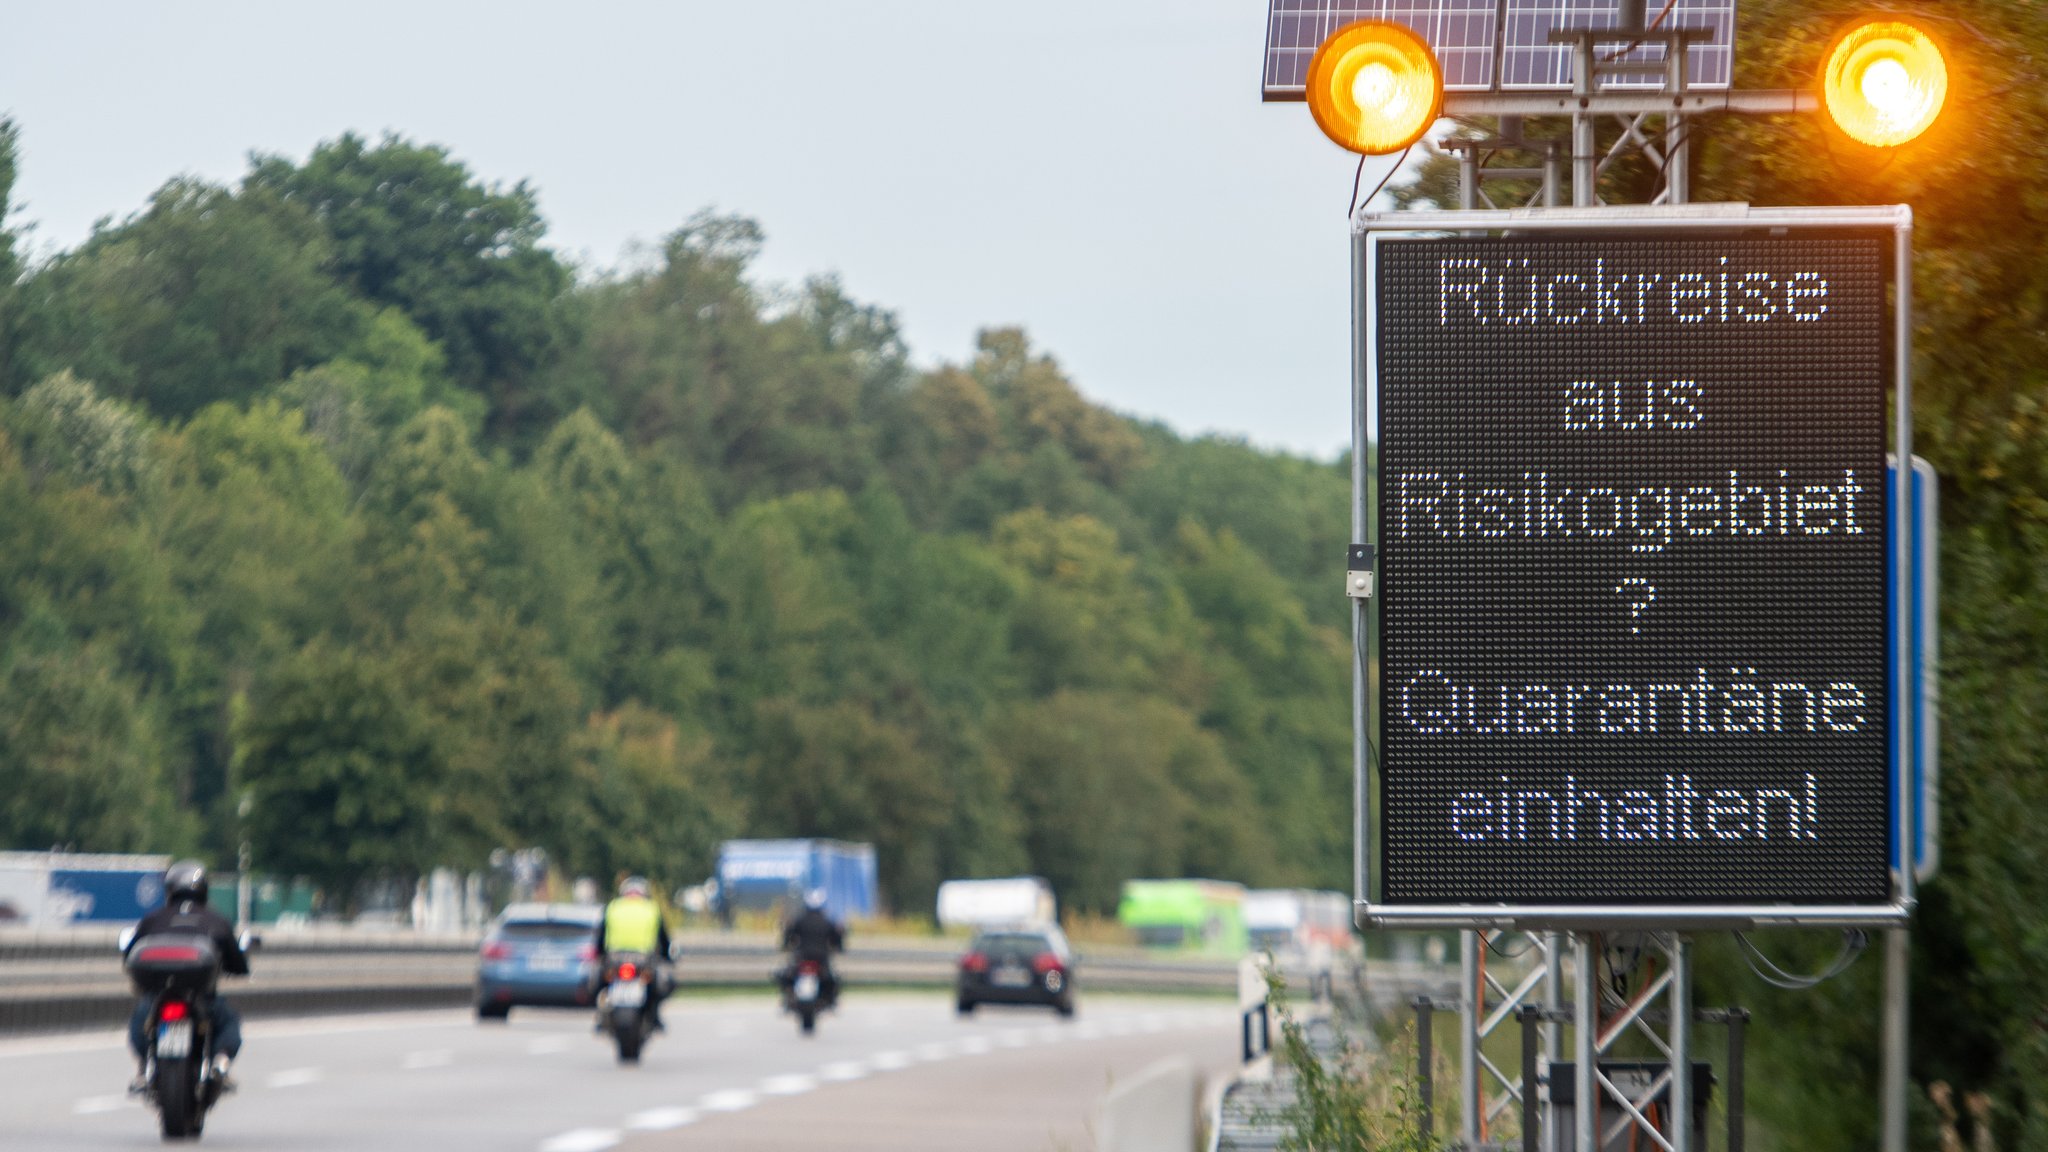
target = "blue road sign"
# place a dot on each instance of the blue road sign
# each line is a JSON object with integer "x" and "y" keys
{"x": 1918, "y": 819}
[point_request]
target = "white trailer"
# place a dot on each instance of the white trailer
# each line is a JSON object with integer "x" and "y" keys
{"x": 1011, "y": 902}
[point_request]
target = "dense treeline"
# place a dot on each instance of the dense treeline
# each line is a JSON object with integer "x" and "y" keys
{"x": 338, "y": 514}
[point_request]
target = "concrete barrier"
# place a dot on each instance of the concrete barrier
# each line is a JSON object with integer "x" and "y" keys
{"x": 62, "y": 979}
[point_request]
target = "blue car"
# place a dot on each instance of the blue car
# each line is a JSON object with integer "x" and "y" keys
{"x": 538, "y": 954}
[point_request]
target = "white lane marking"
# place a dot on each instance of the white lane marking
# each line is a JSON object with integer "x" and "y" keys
{"x": 935, "y": 1051}
{"x": 293, "y": 1078}
{"x": 94, "y": 1105}
{"x": 794, "y": 1085}
{"x": 730, "y": 1100}
{"x": 731, "y": 1029}
{"x": 582, "y": 1140}
{"x": 549, "y": 1045}
{"x": 428, "y": 1058}
{"x": 1088, "y": 1031}
{"x": 843, "y": 1071}
{"x": 975, "y": 1046}
{"x": 1014, "y": 1039}
{"x": 891, "y": 1060}
{"x": 1048, "y": 1033}
{"x": 661, "y": 1119}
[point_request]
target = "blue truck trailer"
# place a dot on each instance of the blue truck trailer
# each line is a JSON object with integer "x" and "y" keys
{"x": 760, "y": 874}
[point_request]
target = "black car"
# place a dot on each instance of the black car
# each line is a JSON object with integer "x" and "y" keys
{"x": 1018, "y": 966}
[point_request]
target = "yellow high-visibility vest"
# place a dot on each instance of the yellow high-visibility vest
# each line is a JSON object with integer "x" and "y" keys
{"x": 631, "y": 924}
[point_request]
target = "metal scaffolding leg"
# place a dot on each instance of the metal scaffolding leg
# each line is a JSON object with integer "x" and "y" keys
{"x": 1585, "y": 1046}
{"x": 1471, "y": 1003}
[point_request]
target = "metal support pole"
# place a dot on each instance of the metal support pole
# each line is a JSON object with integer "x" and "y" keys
{"x": 1677, "y": 168}
{"x": 1425, "y": 1059}
{"x": 1532, "y": 1125}
{"x": 1585, "y": 1047}
{"x": 1681, "y": 1043}
{"x": 1585, "y": 155}
{"x": 1738, "y": 1023}
{"x": 1471, "y": 1008}
{"x": 1553, "y": 176}
{"x": 1468, "y": 179}
{"x": 1896, "y": 956}
{"x": 1897, "y": 953}
{"x": 1553, "y": 1000}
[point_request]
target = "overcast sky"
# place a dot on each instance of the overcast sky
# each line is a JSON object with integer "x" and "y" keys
{"x": 1100, "y": 172}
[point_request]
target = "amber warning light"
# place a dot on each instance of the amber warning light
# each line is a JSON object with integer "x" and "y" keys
{"x": 1884, "y": 82}
{"x": 1374, "y": 87}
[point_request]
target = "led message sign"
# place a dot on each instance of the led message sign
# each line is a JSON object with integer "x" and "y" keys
{"x": 1632, "y": 598}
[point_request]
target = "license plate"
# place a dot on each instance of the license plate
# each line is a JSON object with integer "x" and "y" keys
{"x": 1010, "y": 978}
{"x": 629, "y": 995}
{"x": 174, "y": 1040}
{"x": 548, "y": 963}
{"x": 807, "y": 987}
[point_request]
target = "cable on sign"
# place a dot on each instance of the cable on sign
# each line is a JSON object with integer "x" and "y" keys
{"x": 1358, "y": 178}
{"x": 1854, "y": 941}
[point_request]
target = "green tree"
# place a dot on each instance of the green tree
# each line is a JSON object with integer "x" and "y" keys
{"x": 204, "y": 296}
{"x": 340, "y": 770}
{"x": 80, "y": 751}
{"x": 410, "y": 227}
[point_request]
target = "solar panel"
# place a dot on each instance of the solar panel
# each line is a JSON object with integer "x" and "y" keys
{"x": 1490, "y": 45}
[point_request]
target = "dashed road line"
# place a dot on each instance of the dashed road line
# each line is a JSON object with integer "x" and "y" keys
{"x": 582, "y": 1140}
{"x": 794, "y": 1085}
{"x": 95, "y": 1105}
{"x": 739, "y": 1099}
{"x": 293, "y": 1078}
{"x": 428, "y": 1058}
{"x": 730, "y": 1100}
{"x": 661, "y": 1119}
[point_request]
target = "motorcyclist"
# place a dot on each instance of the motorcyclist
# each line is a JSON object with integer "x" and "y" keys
{"x": 812, "y": 935}
{"x": 633, "y": 923}
{"x": 185, "y": 912}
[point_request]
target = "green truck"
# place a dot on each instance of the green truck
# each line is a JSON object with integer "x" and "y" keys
{"x": 1196, "y": 916}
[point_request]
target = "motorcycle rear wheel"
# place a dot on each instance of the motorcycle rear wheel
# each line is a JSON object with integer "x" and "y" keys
{"x": 177, "y": 1099}
{"x": 630, "y": 1033}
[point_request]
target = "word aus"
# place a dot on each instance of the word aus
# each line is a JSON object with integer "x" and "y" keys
{"x": 1652, "y": 405}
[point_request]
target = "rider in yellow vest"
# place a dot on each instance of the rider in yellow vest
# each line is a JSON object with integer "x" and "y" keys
{"x": 633, "y": 923}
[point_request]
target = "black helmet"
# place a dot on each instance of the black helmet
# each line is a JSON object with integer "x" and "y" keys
{"x": 185, "y": 880}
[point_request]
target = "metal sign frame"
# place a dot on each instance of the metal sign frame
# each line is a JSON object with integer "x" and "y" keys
{"x": 1367, "y": 229}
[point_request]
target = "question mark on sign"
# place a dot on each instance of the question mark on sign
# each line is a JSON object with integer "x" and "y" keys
{"x": 1641, "y": 594}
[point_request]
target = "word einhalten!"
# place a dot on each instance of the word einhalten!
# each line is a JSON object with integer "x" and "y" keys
{"x": 1678, "y": 812}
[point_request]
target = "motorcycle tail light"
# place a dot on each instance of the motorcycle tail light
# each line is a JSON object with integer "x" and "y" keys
{"x": 173, "y": 1011}
{"x": 168, "y": 954}
{"x": 809, "y": 968}
{"x": 974, "y": 962}
{"x": 629, "y": 971}
{"x": 1045, "y": 962}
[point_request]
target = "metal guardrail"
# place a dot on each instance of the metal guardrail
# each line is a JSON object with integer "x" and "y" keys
{"x": 68, "y": 979}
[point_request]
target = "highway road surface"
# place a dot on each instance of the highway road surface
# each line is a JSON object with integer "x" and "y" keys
{"x": 891, "y": 1071}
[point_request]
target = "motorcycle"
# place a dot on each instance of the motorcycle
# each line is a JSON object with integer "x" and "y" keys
{"x": 179, "y": 972}
{"x": 626, "y": 1002}
{"x": 803, "y": 992}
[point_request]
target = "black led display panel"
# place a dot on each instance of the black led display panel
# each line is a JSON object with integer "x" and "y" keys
{"x": 1632, "y": 535}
